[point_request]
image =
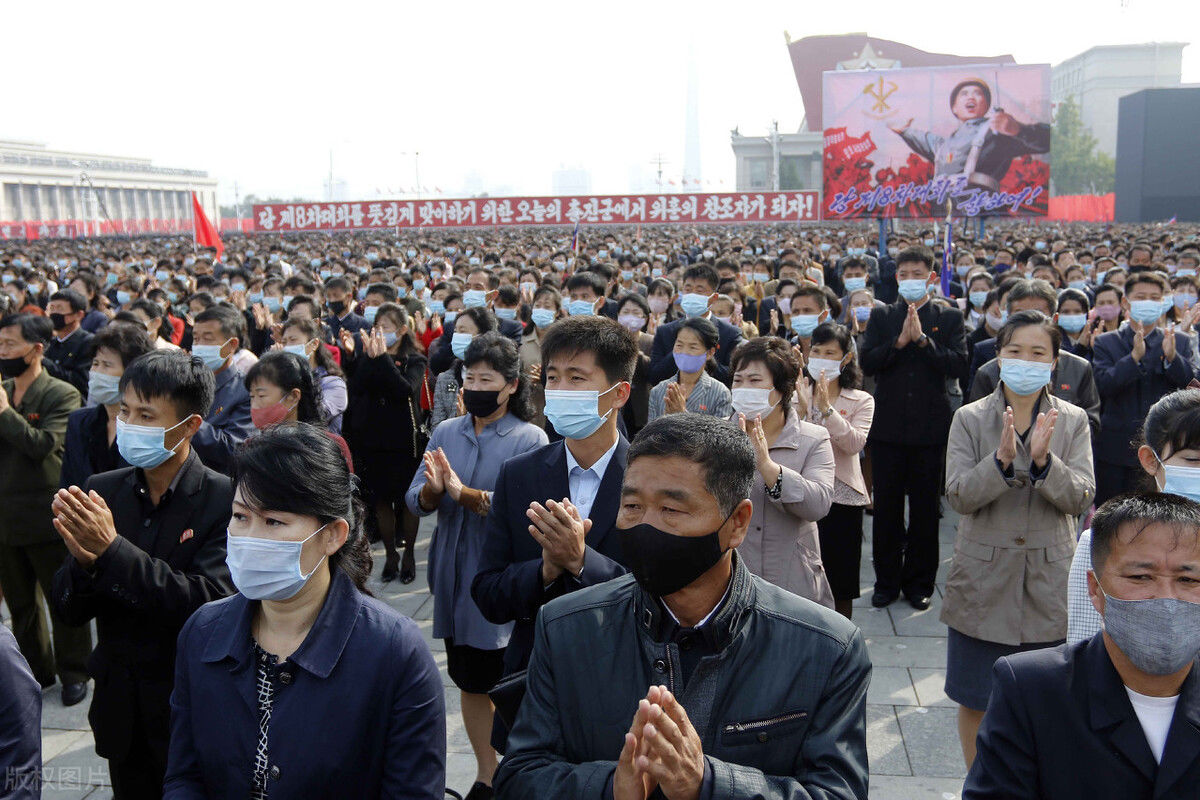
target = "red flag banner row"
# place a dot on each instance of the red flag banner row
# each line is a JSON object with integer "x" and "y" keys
{"x": 647, "y": 209}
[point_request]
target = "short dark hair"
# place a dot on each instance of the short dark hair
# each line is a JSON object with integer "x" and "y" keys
{"x": 1145, "y": 276}
{"x": 1035, "y": 288}
{"x": 720, "y": 448}
{"x": 500, "y": 353}
{"x": 811, "y": 290}
{"x": 289, "y": 371}
{"x": 299, "y": 469}
{"x": 229, "y": 318}
{"x": 1140, "y": 510}
{"x": 35, "y": 329}
{"x": 148, "y": 307}
{"x": 77, "y": 301}
{"x": 851, "y": 374}
{"x": 385, "y": 290}
{"x": 127, "y": 341}
{"x": 1173, "y": 423}
{"x": 587, "y": 280}
{"x": 181, "y": 378}
{"x": 1078, "y": 295}
{"x": 778, "y": 358}
{"x": 1023, "y": 319}
{"x": 612, "y": 346}
{"x": 912, "y": 255}
{"x": 704, "y": 272}
{"x": 339, "y": 283}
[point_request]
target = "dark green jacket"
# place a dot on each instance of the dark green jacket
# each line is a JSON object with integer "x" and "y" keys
{"x": 32, "y": 437}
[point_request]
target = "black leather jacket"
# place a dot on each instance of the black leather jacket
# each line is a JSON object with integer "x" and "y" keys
{"x": 780, "y": 708}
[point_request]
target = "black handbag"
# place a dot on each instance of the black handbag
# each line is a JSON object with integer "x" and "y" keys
{"x": 507, "y": 695}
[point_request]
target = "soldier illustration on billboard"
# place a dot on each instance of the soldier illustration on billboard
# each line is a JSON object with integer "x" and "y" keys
{"x": 984, "y": 145}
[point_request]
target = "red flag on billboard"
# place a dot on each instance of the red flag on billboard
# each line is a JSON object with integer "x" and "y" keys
{"x": 203, "y": 231}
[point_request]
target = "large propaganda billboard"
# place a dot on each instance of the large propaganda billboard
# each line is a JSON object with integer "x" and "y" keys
{"x": 641, "y": 209}
{"x": 971, "y": 140}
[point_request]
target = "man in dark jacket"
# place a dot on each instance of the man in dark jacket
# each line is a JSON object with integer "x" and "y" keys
{"x": 69, "y": 353}
{"x": 147, "y": 548}
{"x": 550, "y": 529}
{"x": 216, "y": 336}
{"x": 1135, "y": 366}
{"x": 911, "y": 347}
{"x": 20, "y": 724}
{"x": 721, "y": 719}
{"x": 34, "y": 409}
{"x": 1117, "y": 715}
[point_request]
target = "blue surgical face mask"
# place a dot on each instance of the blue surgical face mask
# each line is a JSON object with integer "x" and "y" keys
{"x": 436, "y": 307}
{"x": 854, "y": 284}
{"x": 1185, "y": 301}
{"x": 1146, "y": 312}
{"x": 694, "y": 305}
{"x": 104, "y": 389}
{"x": 143, "y": 446}
{"x": 626, "y": 274}
{"x": 449, "y": 316}
{"x": 266, "y": 569}
{"x": 459, "y": 343}
{"x": 255, "y": 297}
{"x": 1072, "y": 323}
{"x": 390, "y": 337}
{"x": 123, "y": 297}
{"x": 162, "y": 276}
{"x": 690, "y": 363}
{"x": 576, "y": 414}
{"x": 273, "y": 304}
{"x": 914, "y": 289}
{"x": 581, "y": 308}
{"x": 1080, "y": 285}
{"x": 1024, "y": 377}
{"x": 1168, "y": 302}
{"x": 856, "y": 251}
{"x": 963, "y": 269}
{"x": 474, "y": 298}
{"x": 542, "y": 317}
{"x": 804, "y": 324}
{"x": 418, "y": 284}
{"x": 369, "y": 313}
{"x": 210, "y": 354}
{"x": 1183, "y": 481}
{"x": 862, "y": 313}
{"x": 978, "y": 298}
{"x": 506, "y": 313}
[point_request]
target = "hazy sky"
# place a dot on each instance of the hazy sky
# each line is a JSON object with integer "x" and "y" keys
{"x": 494, "y": 95}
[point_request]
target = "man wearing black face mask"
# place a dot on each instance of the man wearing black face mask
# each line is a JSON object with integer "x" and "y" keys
{"x": 754, "y": 692}
{"x": 339, "y": 297}
{"x": 69, "y": 354}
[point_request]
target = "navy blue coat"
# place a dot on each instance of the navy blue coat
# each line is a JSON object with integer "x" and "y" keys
{"x": 82, "y": 428}
{"x": 1060, "y": 724}
{"x": 662, "y": 359}
{"x": 360, "y": 714}
{"x": 228, "y": 422}
{"x": 20, "y": 724}
{"x": 1128, "y": 388}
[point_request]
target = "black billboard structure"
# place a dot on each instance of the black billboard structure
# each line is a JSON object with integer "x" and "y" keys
{"x": 1158, "y": 159}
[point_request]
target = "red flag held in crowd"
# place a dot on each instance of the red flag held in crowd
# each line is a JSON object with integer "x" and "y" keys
{"x": 206, "y": 235}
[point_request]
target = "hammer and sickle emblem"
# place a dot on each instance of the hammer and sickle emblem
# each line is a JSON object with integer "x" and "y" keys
{"x": 881, "y": 92}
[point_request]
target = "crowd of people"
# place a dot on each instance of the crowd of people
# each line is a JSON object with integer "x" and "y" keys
{"x": 650, "y": 454}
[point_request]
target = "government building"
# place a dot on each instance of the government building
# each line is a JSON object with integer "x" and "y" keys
{"x": 85, "y": 189}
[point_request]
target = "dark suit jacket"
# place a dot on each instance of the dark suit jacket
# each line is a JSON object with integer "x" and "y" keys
{"x": 441, "y": 357}
{"x": 1060, "y": 725}
{"x": 87, "y": 438}
{"x": 228, "y": 423}
{"x": 508, "y": 586}
{"x": 71, "y": 360}
{"x": 140, "y": 592}
{"x": 351, "y": 322}
{"x": 20, "y": 723}
{"x": 1128, "y": 388}
{"x": 662, "y": 360}
{"x": 912, "y": 406}
{"x": 1071, "y": 380}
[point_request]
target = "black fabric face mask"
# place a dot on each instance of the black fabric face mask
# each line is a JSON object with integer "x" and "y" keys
{"x": 13, "y": 367}
{"x": 337, "y": 307}
{"x": 480, "y": 402}
{"x": 59, "y": 321}
{"x": 663, "y": 563}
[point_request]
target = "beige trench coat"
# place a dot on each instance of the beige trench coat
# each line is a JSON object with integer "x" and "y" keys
{"x": 1008, "y": 580}
{"x": 781, "y": 545}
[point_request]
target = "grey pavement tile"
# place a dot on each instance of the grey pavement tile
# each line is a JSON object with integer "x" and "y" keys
{"x": 52, "y": 792}
{"x": 891, "y": 686}
{"x": 885, "y": 744}
{"x": 931, "y": 739}
{"x": 460, "y": 772}
{"x": 58, "y": 717}
{"x": 931, "y": 687}
{"x": 893, "y": 787}
{"x": 56, "y": 742}
{"x": 873, "y": 621}
{"x": 910, "y": 622}
{"x": 907, "y": 651}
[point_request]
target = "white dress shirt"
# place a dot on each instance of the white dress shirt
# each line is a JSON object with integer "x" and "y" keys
{"x": 585, "y": 483}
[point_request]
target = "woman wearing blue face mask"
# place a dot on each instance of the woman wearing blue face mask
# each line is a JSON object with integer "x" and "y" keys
{"x": 692, "y": 388}
{"x": 1169, "y": 454}
{"x": 546, "y": 310}
{"x": 1019, "y": 472}
{"x": 1077, "y": 324}
{"x": 303, "y": 337}
{"x": 447, "y": 402}
{"x": 318, "y": 650}
{"x": 384, "y": 426}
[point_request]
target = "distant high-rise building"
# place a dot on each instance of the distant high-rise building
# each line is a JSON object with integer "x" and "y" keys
{"x": 1097, "y": 78}
{"x": 691, "y": 142}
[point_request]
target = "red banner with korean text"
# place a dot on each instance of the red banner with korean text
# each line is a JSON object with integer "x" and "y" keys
{"x": 645, "y": 209}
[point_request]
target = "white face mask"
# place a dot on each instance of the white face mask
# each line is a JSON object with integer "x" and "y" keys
{"x": 831, "y": 368}
{"x": 753, "y": 402}
{"x": 267, "y": 569}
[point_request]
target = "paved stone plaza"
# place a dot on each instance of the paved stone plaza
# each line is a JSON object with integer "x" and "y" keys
{"x": 911, "y": 729}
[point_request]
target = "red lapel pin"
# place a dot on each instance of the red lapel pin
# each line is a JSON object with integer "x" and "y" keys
{"x": 186, "y": 535}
